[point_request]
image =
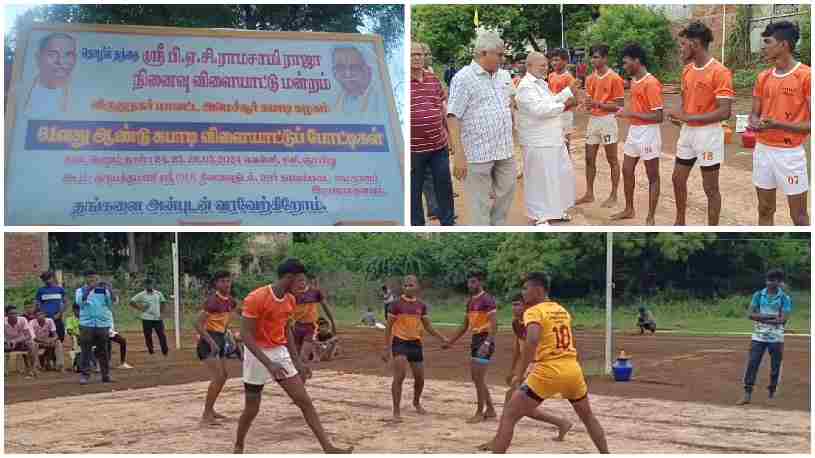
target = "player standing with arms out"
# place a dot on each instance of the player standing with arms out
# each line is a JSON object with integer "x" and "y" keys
{"x": 407, "y": 319}
{"x": 480, "y": 317}
{"x": 606, "y": 93}
{"x": 707, "y": 94}
{"x": 781, "y": 115}
{"x": 549, "y": 365}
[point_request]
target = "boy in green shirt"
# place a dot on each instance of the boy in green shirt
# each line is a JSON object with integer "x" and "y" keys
{"x": 149, "y": 303}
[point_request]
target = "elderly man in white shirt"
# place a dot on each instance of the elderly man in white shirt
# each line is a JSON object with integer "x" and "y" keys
{"x": 549, "y": 187}
{"x": 480, "y": 124}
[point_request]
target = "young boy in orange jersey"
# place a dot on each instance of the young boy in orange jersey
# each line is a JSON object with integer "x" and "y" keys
{"x": 480, "y": 317}
{"x": 306, "y": 314}
{"x": 559, "y": 80}
{"x": 644, "y": 137}
{"x": 549, "y": 366}
{"x": 211, "y": 325}
{"x": 407, "y": 318}
{"x": 605, "y": 92}
{"x": 781, "y": 114}
{"x": 707, "y": 94}
{"x": 272, "y": 355}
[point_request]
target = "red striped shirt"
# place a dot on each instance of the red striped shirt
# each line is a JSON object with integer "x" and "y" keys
{"x": 427, "y": 131}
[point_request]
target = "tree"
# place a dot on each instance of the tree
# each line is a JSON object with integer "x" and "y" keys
{"x": 385, "y": 20}
{"x": 201, "y": 254}
{"x": 447, "y": 29}
{"x": 620, "y": 25}
{"x": 805, "y": 25}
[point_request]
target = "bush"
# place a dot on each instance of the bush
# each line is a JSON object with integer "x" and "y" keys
{"x": 746, "y": 78}
{"x": 24, "y": 295}
{"x": 619, "y": 25}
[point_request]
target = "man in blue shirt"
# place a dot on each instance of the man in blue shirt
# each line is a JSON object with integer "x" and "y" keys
{"x": 769, "y": 311}
{"x": 51, "y": 301}
{"x": 95, "y": 319}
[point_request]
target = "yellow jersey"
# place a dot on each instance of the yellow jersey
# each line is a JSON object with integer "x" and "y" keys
{"x": 556, "y": 339}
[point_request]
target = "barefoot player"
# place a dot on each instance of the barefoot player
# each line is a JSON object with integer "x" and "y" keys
{"x": 606, "y": 92}
{"x": 306, "y": 314}
{"x": 480, "y": 317}
{"x": 519, "y": 331}
{"x": 272, "y": 355}
{"x": 549, "y": 365}
{"x": 781, "y": 115}
{"x": 211, "y": 325}
{"x": 707, "y": 93}
{"x": 644, "y": 138}
{"x": 407, "y": 318}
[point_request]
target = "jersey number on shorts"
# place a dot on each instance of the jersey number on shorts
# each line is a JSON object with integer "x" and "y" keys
{"x": 793, "y": 179}
{"x": 607, "y": 139}
{"x": 563, "y": 337}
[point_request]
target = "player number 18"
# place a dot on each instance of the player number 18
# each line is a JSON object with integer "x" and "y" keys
{"x": 563, "y": 337}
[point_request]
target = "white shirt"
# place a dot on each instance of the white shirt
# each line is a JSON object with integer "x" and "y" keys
{"x": 539, "y": 112}
{"x": 44, "y": 331}
{"x": 45, "y": 102}
{"x": 505, "y": 79}
{"x": 481, "y": 103}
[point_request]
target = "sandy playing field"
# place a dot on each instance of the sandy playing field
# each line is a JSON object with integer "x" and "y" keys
{"x": 354, "y": 409}
{"x": 680, "y": 401}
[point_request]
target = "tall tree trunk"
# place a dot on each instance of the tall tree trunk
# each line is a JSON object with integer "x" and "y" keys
{"x": 132, "y": 266}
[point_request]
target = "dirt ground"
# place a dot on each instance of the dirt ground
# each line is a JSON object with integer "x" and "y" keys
{"x": 739, "y": 202}
{"x": 680, "y": 400}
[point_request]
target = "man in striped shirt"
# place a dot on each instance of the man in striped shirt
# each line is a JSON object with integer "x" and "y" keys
{"x": 428, "y": 140}
{"x": 480, "y": 122}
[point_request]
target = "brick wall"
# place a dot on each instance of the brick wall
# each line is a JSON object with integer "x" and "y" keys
{"x": 26, "y": 256}
{"x": 711, "y": 16}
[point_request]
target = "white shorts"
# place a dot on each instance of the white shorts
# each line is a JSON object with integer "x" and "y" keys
{"x": 602, "y": 130}
{"x": 255, "y": 373}
{"x": 704, "y": 143}
{"x": 644, "y": 142}
{"x": 784, "y": 167}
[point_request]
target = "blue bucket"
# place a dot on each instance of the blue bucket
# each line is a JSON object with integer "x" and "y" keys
{"x": 622, "y": 370}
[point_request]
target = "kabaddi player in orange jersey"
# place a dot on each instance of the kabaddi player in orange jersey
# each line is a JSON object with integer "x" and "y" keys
{"x": 272, "y": 354}
{"x": 781, "y": 114}
{"x": 559, "y": 80}
{"x": 707, "y": 94}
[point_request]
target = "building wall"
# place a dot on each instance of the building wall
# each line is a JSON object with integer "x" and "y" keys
{"x": 26, "y": 256}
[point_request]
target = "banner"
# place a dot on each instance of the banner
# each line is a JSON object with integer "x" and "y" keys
{"x": 125, "y": 125}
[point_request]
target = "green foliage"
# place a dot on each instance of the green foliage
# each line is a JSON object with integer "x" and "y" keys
{"x": 23, "y": 295}
{"x": 203, "y": 253}
{"x": 746, "y": 78}
{"x": 805, "y": 25}
{"x": 737, "y": 46}
{"x": 455, "y": 255}
{"x": 620, "y": 25}
{"x": 79, "y": 251}
{"x": 447, "y": 29}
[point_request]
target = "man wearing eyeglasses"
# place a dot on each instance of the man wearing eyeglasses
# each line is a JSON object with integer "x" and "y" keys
{"x": 480, "y": 122}
{"x": 355, "y": 76}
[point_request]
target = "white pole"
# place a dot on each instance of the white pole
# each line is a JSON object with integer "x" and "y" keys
{"x": 724, "y": 27}
{"x": 562, "y": 35}
{"x": 609, "y": 291}
{"x": 176, "y": 295}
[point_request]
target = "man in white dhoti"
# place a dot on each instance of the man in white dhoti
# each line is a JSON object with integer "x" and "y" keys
{"x": 549, "y": 187}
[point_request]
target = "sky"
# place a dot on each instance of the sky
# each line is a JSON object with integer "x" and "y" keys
{"x": 396, "y": 64}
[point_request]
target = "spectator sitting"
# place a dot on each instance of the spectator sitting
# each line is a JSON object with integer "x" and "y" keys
{"x": 19, "y": 337}
{"x": 368, "y": 318}
{"x": 45, "y": 336}
{"x": 646, "y": 321}
{"x": 327, "y": 346}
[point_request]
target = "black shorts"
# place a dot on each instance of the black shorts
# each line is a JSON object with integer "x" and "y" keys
{"x": 205, "y": 351}
{"x": 411, "y": 349}
{"x": 475, "y": 348}
{"x": 649, "y": 325}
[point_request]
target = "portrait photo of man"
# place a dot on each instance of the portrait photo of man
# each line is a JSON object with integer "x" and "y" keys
{"x": 354, "y": 74}
{"x": 49, "y": 94}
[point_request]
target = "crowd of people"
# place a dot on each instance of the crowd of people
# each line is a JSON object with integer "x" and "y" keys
{"x": 484, "y": 114}
{"x": 40, "y": 333}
